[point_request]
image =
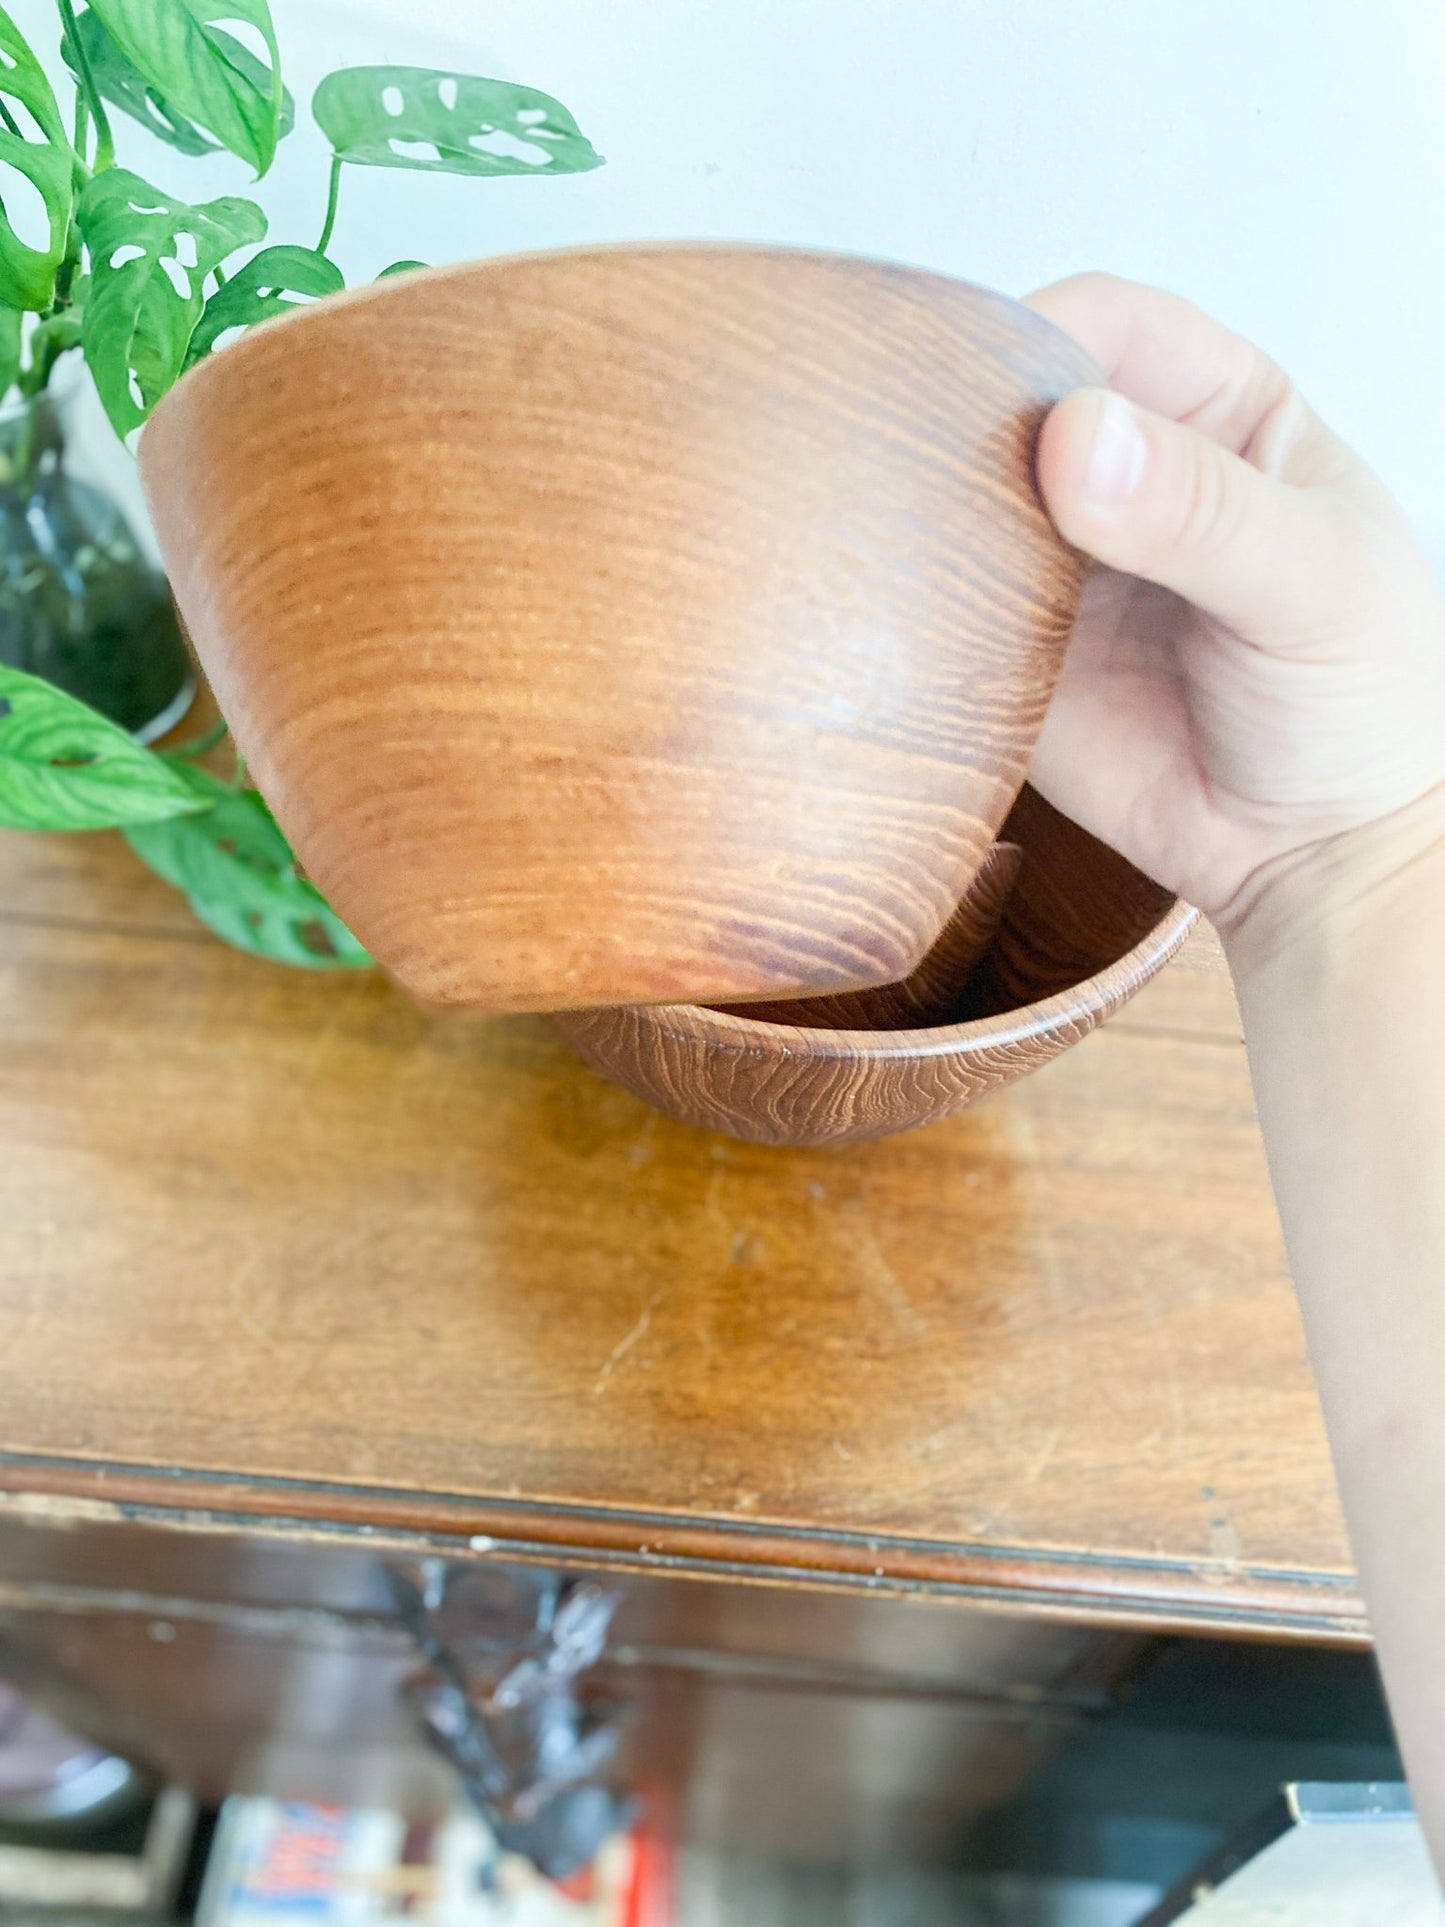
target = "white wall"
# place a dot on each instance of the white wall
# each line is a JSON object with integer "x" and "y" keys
{"x": 1281, "y": 161}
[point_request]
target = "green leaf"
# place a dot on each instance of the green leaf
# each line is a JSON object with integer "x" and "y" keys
{"x": 448, "y": 123}
{"x": 255, "y": 71}
{"x": 138, "y": 324}
{"x": 236, "y": 869}
{"x": 63, "y": 767}
{"x": 400, "y": 267}
{"x": 27, "y": 274}
{"x": 126, "y": 87}
{"x": 268, "y": 285}
{"x": 10, "y": 324}
{"x": 203, "y": 73}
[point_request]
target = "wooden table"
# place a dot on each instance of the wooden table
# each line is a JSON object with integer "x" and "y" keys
{"x": 289, "y": 1271}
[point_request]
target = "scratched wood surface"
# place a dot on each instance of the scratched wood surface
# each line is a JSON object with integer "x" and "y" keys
{"x": 283, "y": 1247}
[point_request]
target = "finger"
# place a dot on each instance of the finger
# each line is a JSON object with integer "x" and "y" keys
{"x": 1159, "y": 500}
{"x": 1164, "y": 353}
{"x": 1168, "y": 356}
{"x": 1111, "y": 724}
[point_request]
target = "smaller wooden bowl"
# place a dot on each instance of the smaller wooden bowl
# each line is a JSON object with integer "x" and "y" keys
{"x": 1080, "y": 932}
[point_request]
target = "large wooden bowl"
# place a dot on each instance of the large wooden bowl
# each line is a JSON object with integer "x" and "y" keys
{"x": 644, "y": 624}
{"x": 1080, "y": 932}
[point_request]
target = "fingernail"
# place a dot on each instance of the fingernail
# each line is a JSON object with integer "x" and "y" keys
{"x": 1117, "y": 454}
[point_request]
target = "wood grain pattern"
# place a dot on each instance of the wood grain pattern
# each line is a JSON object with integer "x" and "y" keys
{"x": 644, "y": 624}
{"x": 1077, "y": 933}
{"x": 275, "y": 1249}
{"x": 931, "y": 994}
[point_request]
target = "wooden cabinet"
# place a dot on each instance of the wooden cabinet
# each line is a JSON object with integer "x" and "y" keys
{"x": 783, "y": 1721}
{"x": 894, "y": 1454}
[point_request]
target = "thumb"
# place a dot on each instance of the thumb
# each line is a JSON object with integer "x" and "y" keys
{"x": 1159, "y": 500}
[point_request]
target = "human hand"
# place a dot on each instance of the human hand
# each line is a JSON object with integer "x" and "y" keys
{"x": 1260, "y": 665}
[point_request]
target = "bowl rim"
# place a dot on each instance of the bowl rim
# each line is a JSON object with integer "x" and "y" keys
{"x": 1087, "y": 1003}
{"x": 393, "y": 290}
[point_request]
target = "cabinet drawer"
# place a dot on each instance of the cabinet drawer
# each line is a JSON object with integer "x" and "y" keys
{"x": 310, "y": 1708}
{"x": 808, "y": 1633}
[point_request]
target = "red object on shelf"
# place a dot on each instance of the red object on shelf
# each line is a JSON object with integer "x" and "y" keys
{"x": 650, "y": 1892}
{"x": 650, "y": 1896}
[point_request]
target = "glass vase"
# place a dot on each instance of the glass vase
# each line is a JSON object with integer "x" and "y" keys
{"x": 81, "y": 602}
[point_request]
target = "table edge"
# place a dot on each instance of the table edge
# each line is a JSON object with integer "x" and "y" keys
{"x": 1225, "y": 1597}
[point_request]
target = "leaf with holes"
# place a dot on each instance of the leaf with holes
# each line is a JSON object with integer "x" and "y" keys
{"x": 45, "y": 159}
{"x": 271, "y": 282}
{"x": 126, "y": 87}
{"x": 448, "y": 123}
{"x": 203, "y": 72}
{"x": 237, "y": 871}
{"x": 144, "y": 301}
{"x": 63, "y": 767}
{"x": 399, "y": 267}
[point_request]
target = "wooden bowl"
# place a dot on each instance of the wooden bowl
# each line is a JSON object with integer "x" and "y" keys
{"x": 638, "y": 624}
{"x": 1080, "y": 932}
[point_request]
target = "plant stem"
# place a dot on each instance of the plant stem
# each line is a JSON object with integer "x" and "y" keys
{"x": 330, "y": 222}
{"x": 198, "y": 745}
{"x": 104, "y": 144}
{"x": 65, "y": 273}
{"x": 37, "y": 375}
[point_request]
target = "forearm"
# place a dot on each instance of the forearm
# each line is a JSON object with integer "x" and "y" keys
{"x": 1340, "y": 968}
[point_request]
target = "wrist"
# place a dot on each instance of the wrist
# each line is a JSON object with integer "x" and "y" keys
{"x": 1322, "y": 902}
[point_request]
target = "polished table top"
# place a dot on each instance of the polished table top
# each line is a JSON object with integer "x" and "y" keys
{"x": 278, "y": 1246}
